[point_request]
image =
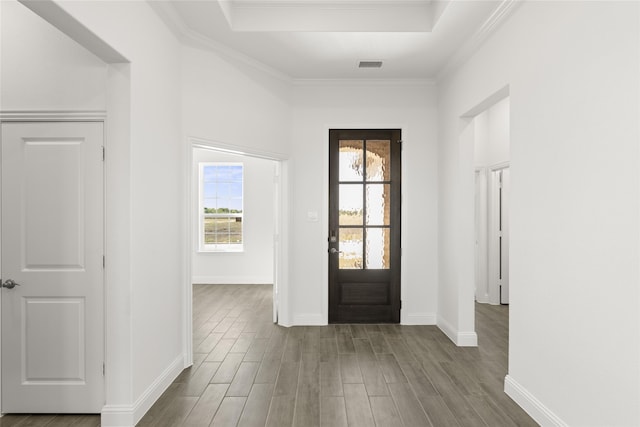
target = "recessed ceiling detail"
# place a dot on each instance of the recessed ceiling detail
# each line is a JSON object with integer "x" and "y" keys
{"x": 291, "y": 39}
{"x": 332, "y": 15}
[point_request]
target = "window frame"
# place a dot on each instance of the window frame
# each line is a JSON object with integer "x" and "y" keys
{"x": 218, "y": 247}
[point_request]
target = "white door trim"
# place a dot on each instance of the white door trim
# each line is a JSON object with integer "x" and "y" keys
{"x": 481, "y": 229}
{"x": 52, "y": 116}
{"x": 494, "y": 226}
{"x": 280, "y": 254}
{"x": 8, "y": 116}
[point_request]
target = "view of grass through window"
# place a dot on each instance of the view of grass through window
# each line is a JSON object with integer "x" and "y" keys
{"x": 221, "y": 205}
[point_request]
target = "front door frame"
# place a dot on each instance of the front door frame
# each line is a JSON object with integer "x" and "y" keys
{"x": 324, "y": 137}
{"x": 56, "y": 117}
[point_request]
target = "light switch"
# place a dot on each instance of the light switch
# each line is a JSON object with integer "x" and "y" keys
{"x": 312, "y": 216}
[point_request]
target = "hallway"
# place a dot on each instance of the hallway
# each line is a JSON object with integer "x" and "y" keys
{"x": 249, "y": 372}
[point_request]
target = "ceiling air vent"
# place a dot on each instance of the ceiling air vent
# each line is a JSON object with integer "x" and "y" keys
{"x": 370, "y": 64}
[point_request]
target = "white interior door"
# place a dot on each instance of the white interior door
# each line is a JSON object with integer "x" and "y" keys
{"x": 504, "y": 236}
{"x": 52, "y": 246}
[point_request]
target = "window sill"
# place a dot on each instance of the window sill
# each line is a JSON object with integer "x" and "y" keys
{"x": 220, "y": 250}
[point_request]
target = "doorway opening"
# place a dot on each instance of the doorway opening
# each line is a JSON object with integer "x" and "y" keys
{"x": 492, "y": 194}
{"x": 251, "y": 226}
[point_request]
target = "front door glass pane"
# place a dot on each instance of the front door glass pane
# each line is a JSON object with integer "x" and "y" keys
{"x": 378, "y": 248}
{"x": 350, "y": 204}
{"x": 378, "y": 203}
{"x": 351, "y": 248}
{"x": 351, "y": 163}
{"x": 378, "y": 160}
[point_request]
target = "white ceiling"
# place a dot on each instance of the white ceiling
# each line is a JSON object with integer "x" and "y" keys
{"x": 325, "y": 39}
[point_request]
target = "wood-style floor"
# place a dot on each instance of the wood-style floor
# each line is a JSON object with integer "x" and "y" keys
{"x": 249, "y": 372}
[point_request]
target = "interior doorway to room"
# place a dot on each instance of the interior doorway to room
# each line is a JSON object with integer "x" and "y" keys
{"x": 364, "y": 225}
{"x": 235, "y": 218}
{"x": 492, "y": 196}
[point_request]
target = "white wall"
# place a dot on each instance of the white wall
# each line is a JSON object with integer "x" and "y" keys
{"x": 146, "y": 178}
{"x": 491, "y": 137}
{"x": 574, "y": 322}
{"x": 319, "y": 106}
{"x": 255, "y": 263}
{"x": 234, "y": 104}
{"x": 43, "y": 69}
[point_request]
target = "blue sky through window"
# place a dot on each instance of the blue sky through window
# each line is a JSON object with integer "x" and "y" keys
{"x": 222, "y": 186}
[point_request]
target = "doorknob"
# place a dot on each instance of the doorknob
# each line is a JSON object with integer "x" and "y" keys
{"x": 334, "y": 251}
{"x": 10, "y": 284}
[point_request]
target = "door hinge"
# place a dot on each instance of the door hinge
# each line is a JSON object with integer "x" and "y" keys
{"x": 104, "y": 262}
{"x": 400, "y": 142}
{"x": 103, "y": 369}
{"x": 103, "y": 153}
{"x": 401, "y": 304}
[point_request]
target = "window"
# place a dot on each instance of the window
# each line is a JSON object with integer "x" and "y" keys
{"x": 221, "y": 207}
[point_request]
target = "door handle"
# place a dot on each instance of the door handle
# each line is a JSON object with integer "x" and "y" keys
{"x": 334, "y": 251}
{"x": 10, "y": 284}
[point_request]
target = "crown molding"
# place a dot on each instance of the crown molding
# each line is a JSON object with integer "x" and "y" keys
{"x": 194, "y": 39}
{"x": 171, "y": 18}
{"x": 464, "y": 53}
{"x": 168, "y": 14}
{"x": 364, "y": 82}
{"x": 502, "y": 12}
{"x": 328, "y": 3}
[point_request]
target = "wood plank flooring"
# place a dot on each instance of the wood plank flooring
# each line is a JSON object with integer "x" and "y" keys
{"x": 336, "y": 375}
{"x": 249, "y": 372}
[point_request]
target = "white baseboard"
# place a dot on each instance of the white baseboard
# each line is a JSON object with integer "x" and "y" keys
{"x": 482, "y": 299}
{"x": 232, "y": 280}
{"x": 461, "y": 339}
{"x": 447, "y": 329}
{"x": 117, "y": 416}
{"x": 418, "y": 319}
{"x": 532, "y": 406}
{"x": 467, "y": 339}
{"x": 129, "y": 415}
{"x": 308, "y": 320}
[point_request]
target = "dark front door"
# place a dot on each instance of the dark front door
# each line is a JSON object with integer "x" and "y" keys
{"x": 364, "y": 226}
